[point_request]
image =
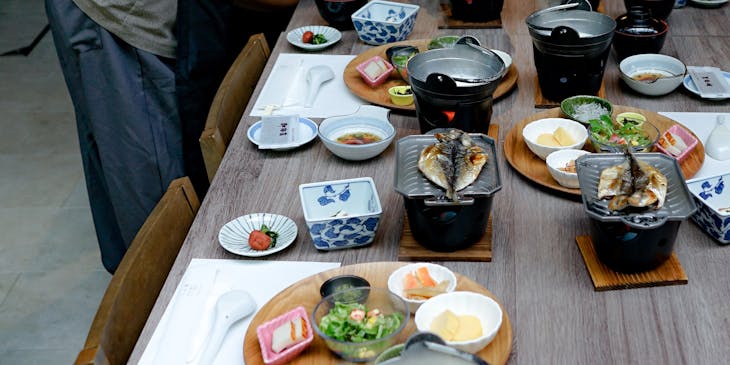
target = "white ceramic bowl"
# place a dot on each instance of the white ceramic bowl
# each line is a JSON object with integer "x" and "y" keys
{"x": 437, "y": 272}
{"x": 341, "y": 213}
{"x": 506, "y": 59}
{"x": 549, "y": 125}
{"x": 463, "y": 303}
{"x": 368, "y": 118}
{"x": 672, "y": 68}
{"x": 559, "y": 159}
{"x": 381, "y": 22}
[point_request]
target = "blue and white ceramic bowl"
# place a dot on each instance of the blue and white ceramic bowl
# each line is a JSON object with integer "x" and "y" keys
{"x": 342, "y": 213}
{"x": 382, "y": 22}
{"x": 713, "y": 198}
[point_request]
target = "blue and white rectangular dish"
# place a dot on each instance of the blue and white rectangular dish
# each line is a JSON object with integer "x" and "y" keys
{"x": 382, "y": 22}
{"x": 713, "y": 199}
{"x": 341, "y": 213}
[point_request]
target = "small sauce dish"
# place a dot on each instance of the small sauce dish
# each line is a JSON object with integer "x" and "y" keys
{"x": 401, "y": 95}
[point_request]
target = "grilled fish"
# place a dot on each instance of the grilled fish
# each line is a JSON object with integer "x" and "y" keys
{"x": 633, "y": 183}
{"x": 453, "y": 163}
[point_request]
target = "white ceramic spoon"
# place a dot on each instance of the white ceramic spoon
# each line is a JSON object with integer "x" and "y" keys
{"x": 316, "y": 76}
{"x": 229, "y": 309}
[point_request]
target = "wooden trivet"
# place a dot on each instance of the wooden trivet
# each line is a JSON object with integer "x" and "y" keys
{"x": 668, "y": 273}
{"x": 411, "y": 250}
{"x": 543, "y": 102}
{"x": 448, "y": 22}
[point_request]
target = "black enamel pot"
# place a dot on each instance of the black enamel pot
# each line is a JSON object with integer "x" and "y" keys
{"x": 453, "y": 87}
{"x": 640, "y": 239}
{"x": 438, "y": 223}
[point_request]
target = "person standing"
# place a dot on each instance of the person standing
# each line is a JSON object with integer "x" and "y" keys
{"x": 210, "y": 35}
{"x": 118, "y": 64}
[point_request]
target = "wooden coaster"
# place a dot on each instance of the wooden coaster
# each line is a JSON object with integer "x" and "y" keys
{"x": 545, "y": 103}
{"x": 411, "y": 250}
{"x": 447, "y": 22}
{"x": 669, "y": 273}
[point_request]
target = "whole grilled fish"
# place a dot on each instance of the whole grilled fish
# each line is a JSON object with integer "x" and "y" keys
{"x": 453, "y": 163}
{"x": 632, "y": 183}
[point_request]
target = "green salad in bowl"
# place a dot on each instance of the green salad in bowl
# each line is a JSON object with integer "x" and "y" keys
{"x": 360, "y": 330}
{"x": 609, "y": 136}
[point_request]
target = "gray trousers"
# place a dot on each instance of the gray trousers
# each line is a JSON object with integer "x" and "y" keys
{"x": 127, "y": 121}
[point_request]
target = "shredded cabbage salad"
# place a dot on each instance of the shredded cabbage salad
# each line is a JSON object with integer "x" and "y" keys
{"x": 352, "y": 322}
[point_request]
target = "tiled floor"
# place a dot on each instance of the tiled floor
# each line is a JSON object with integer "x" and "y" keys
{"x": 51, "y": 277}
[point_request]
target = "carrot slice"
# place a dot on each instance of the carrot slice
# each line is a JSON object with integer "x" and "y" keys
{"x": 425, "y": 277}
{"x": 410, "y": 281}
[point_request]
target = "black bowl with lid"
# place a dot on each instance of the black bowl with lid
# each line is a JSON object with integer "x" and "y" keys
{"x": 436, "y": 222}
{"x": 638, "y": 32}
{"x": 659, "y": 9}
{"x": 634, "y": 240}
{"x": 338, "y": 12}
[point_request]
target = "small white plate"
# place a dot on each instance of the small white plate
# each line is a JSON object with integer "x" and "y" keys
{"x": 306, "y": 132}
{"x": 690, "y": 85}
{"x": 234, "y": 234}
{"x": 331, "y": 34}
{"x": 709, "y": 3}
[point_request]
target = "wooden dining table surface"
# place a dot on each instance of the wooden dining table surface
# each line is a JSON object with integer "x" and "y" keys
{"x": 537, "y": 270}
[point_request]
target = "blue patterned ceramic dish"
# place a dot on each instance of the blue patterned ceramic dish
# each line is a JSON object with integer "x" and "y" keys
{"x": 382, "y": 22}
{"x": 713, "y": 199}
{"x": 342, "y": 213}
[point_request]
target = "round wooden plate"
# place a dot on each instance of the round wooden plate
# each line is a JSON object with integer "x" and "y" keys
{"x": 532, "y": 167}
{"x": 306, "y": 293}
{"x": 379, "y": 95}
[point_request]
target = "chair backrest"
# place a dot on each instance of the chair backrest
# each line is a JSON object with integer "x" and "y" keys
{"x": 137, "y": 282}
{"x": 230, "y": 101}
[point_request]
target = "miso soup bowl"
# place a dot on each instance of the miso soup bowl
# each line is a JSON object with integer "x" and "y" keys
{"x": 368, "y": 119}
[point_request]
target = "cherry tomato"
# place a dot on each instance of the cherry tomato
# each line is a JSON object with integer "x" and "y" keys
{"x": 307, "y": 37}
{"x": 259, "y": 240}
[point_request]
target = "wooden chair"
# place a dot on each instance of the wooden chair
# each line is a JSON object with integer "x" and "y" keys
{"x": 134, "y": 288}
{"x": 230, "y": 101}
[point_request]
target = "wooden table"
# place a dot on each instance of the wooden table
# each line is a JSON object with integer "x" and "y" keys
{"x": 537, "y": 271}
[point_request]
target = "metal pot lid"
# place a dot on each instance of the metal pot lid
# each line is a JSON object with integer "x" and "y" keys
{"x": 410, "y": 182}
{"x": 678, "y": 204}
{"x": 571, "y": 27}
{"x": 466, "y": 64}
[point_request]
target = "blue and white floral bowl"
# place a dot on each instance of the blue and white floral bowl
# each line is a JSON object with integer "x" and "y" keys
{"x": 713, "y": 199}
{"x": 381, "y": 22}
{"x": 342, "y": 213}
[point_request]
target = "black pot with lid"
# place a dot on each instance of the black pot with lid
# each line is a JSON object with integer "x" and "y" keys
{"x": 634, "y": 240}
{"x": 453, "y": 87}
{"x": 570, "y": 49}
{"x": 436, "y": 222}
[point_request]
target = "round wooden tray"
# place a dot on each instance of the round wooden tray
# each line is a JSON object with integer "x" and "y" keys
{"x": 532, "y": 167}
{"x": 379, "y": 95}
{"x": 306, "y": 293}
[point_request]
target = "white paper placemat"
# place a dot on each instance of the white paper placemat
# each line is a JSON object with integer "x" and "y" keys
{"x": 287, "y": 87}
{"x": 701, "y": 124}
{"x": 183, "y": 325}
